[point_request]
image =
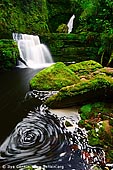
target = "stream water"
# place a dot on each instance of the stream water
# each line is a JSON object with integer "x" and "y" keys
{"x": 32, "y": 134}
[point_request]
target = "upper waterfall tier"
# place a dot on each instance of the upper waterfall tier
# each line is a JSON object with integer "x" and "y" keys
{"x": 33, "y": 54}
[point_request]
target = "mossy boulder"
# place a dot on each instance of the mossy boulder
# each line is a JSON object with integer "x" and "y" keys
{"x": 98, "y": 88}
{"x": 54, "y": 78}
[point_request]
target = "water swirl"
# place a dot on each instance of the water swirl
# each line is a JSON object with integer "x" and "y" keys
{"x": 43, "y": 138}
{"x": 40, "y": 137}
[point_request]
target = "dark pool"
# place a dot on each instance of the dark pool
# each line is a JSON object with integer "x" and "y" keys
{"x": 13, "y": 87}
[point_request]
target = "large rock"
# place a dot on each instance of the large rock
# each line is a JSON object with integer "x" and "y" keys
{"x": 99, "y": 88}
{"x": 54, "y": 78}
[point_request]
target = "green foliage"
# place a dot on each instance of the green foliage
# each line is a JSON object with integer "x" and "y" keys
{"x": 95, "y": 15}
{"x": 110, "y": 154}
{"x": 106, "y": 48}
{"x": 111, "y": 122}
{"x": 62, "y": 28}
{"x": 99, "y": 126}
{"x": 85, "y": 110}
{"x": 27, "y": 16}
{"x": 93, "y": 139}
{"x": 8, "y": 54}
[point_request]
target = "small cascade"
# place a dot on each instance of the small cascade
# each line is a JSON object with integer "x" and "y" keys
{"x": 33, "y": 54}
{"x": 70, "y": 24}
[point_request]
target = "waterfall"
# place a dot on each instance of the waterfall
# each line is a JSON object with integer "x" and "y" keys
{"x": 70, "y": 24}
{"x": 33, "y": 54}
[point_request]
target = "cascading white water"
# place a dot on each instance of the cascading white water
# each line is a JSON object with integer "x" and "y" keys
{"x": 33, "y": 54}
{"x": 70, "y": 23}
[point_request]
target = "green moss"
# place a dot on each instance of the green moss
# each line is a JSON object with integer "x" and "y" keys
{"x": 62, "y": 28}
{"x": 85, "y": 110}
{"x": 106, "y": 70}
{"x": 85, "y": 67}
{"x": 53, "y": 78}
{"x": 8, "y": 54}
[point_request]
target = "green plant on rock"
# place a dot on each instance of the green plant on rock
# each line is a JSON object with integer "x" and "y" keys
{"x": 93, "y": 139}
{"x": 63, "y": 28}
{"x": 85, "y": 67}
{"x": 85, "y": 111}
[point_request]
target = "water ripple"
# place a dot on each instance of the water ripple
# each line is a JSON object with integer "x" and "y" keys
{"x": 40, "y": 136}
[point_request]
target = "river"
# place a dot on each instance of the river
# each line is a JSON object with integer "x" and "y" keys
{"x": 32, "y": 134}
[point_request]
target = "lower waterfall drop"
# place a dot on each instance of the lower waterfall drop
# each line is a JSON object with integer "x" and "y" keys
{"x": 33, "y": 54}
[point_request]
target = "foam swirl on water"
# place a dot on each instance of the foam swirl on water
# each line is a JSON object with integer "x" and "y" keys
{"x": 43, "y": 138}
{"x": 38, "y": 138}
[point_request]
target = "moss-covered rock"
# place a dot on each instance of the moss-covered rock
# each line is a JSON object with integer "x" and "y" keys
{"x": 85, "y": 67}
{"x": 99, "y": 88}
{"x": 106, "y": 70}
{"x": 8, "y": 54}
{"x": 54, "y": 78}
{"x": 72, "y": 47}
